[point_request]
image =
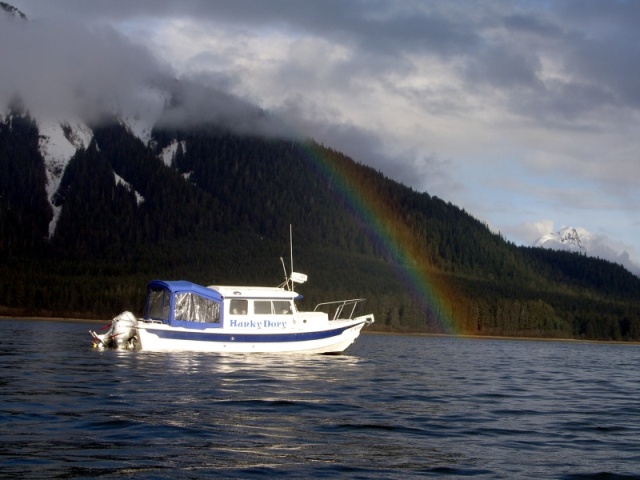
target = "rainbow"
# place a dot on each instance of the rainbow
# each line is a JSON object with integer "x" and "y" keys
{"x": 381, "y": 221}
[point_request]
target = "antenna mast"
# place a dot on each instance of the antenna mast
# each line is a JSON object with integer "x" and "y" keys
{"x": 291, "y": 247}
{"x": 294, "y": 277}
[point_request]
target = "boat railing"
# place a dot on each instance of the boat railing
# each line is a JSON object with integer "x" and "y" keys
{"x": 152, "y": 320}
{"x": 341, "y": 306}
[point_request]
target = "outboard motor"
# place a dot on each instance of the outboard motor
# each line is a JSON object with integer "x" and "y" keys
{"x": 121, "y": 333}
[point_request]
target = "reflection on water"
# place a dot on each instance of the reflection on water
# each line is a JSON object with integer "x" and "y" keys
{"x": 392, "y": 407}
{"x": 284, "y": 367}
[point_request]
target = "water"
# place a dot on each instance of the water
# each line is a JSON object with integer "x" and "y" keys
{"x": 392, "y": 407}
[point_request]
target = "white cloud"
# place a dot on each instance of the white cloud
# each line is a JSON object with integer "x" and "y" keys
{"x": 544, "y": 233}
{"x": 531, "y": 231}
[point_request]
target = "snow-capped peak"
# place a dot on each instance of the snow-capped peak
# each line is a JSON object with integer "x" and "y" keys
{"x": 580, "y": 240}
{"x": 567, "y": 238}
{"x": 11, "y": 10}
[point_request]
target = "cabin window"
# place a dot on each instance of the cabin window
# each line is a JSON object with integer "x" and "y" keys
{"x": 194, "y": 308}
{"x": 272, "y": 307}
{"x": 262, "y": 307}
{"x": 238, "y": 307}
{"x": 282, "y": 307}
{"x": 158, "y": 304}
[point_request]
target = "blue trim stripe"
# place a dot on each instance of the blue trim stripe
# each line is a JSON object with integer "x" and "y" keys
{"x": 248, "y": 337}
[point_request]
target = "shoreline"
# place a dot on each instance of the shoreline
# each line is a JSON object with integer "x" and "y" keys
{"x": 54, "y": 319}
{"x": 499, "y": 337}
{"x": 411, "y": 334}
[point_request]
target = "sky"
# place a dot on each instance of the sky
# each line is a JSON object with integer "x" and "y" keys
{"x": 524, "y": 113}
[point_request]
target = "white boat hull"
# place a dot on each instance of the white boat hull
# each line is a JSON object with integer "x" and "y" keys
{"x": 335, "y": 338}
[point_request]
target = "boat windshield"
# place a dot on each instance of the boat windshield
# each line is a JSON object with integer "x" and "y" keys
{"x": 191, "y": 307}
{"x": 158, "y": 303}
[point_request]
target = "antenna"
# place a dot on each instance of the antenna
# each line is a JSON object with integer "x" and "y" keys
{"x": 286, "y": 278}
{"x": 293, "y": 277}
{"x": 291, "y": 247}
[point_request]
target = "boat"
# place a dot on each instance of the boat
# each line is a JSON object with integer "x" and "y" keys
{"x": 184, "y": 316}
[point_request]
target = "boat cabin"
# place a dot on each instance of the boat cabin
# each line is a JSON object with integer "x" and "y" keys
{"x": 185, "y": 304}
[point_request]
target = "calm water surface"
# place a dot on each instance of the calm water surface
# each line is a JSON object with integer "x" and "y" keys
{"x": 392, "y": 407}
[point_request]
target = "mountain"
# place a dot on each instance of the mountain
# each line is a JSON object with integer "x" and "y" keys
{"x": 568, "y": 238}
{"x": 90, "y": 212}
{"x": 163, "y": 178}
{"x": 575, "y": 239}
{"x": 11, "y": 10}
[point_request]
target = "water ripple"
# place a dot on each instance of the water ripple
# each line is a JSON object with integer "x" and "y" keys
{"x": 393, "y": 407}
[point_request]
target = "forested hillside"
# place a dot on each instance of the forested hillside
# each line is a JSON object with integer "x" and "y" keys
{"x": 220, "y": 214}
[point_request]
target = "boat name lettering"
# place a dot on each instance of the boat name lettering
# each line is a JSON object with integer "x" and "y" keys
{"x": 257, "y": 323}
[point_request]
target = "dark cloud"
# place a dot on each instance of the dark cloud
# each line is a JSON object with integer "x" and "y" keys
{"x": 536, "y": 25}
{"x": 61, "y": 68}
{"x": 497, "y": 45}
{"x": 558, "y": 63}
{"x": 192, "y": 103}
{"x": 505, "y": 68}
{"x": 408, "y": 167}
{"x": 380, "y": 26}
{"x": 613, "y": 63}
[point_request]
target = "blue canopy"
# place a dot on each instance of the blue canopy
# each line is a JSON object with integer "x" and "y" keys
{"x": 181, "y": 303}
{"x": 182, "y": 286}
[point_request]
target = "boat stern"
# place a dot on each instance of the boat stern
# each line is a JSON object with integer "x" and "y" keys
{"x": 120, "y": 334}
